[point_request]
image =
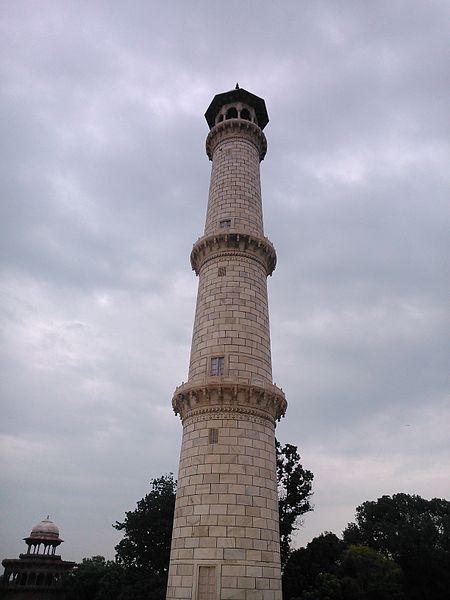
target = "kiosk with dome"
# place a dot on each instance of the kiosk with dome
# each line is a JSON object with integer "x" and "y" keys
{"x": 37, "y": 574}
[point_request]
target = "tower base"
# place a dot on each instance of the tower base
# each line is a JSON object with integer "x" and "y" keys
{"x": 226, "y": 539}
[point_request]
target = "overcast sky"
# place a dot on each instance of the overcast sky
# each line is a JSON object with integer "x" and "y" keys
{"x": 104, "y": 188}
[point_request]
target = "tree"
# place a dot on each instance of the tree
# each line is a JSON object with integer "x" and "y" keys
{"x": 142, "y": 556}
{"x": 145, "y": 549}
{"x": 321, "y": 555}
{"x": 415, "y": 533}
{"x": 85, "y": 580}
{"x": 112, "y": 583}
{"x": 294, "y": 494}
{"x": 374, "y": 576}
{"x": 328, "y": 570}
{"x": 327, "y": 587}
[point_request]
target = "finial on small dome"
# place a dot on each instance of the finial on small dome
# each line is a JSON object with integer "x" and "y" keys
{"x": 48, "y": 517}
{"x": 237, "y": 86}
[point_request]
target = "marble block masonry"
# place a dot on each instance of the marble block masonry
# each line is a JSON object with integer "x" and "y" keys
{"x": 225, "y": 541}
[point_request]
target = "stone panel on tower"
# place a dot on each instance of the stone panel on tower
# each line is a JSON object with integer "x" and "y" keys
{"x": 225, "y": 541}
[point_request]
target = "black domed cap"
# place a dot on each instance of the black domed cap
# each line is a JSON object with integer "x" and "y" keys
{"x": 237, "y": 95}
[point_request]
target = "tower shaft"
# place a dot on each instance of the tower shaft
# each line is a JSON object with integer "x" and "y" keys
{"x": 225, "y": 541}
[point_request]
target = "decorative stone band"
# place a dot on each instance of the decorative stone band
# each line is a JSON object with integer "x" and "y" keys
{"x": 233, "y": 243}
{"x": 218, "y": 395}
{"x": 240, "y": 128}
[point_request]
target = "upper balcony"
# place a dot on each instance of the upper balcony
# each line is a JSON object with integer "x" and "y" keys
{"x": 237, "y": 104}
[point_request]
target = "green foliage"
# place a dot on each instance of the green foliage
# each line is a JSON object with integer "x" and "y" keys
{"x": 148, "y": 530}
{"x": 333, "y": 572}
{"x": 142, "y": 556}
{"x": 398, "y": 548}
{"x": 144, "y": 551}
{"x": 112, "y": 582}
{"x": 294, "y": 494}
{"x": 321, "y": 555}
{"x": 97, "y": 579}
{"x": 140, "y": 586}
{"x": 85, "y": 580}
{"x": 375, "y": 576}
{"x": 415, "y": 533}
{"x": 327, "y": 587}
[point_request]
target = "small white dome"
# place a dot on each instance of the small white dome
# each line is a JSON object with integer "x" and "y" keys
{"x": 45, "y": 528}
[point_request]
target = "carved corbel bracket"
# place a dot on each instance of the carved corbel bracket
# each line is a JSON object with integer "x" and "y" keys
{"x": 233, "y": 243}
{"x": 267, "y": 401}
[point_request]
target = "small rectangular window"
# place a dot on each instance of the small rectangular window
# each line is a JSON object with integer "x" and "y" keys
{"x": 217, "y": 365}
{"x": 213, "y": 436}
{"x": 225, "y": 224}
{"x": 222, "y": 271}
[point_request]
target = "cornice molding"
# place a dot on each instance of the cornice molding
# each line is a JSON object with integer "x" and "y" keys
{"x": 222, "y": 413}
{"x": 233, "y": 243}
{"x": 215, "y": 395}
{"x": 236, "y": 128}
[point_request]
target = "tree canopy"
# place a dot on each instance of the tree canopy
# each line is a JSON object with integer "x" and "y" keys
{"x": 86, "y": 581}
{"x": 144, "y": 551}
{"x": 397, "y": 549}
{"x": 415, "y": 533}
{"x": 148, "y": 529}
{"x": 142, "y": 556}
{"x": 294, "y": 494}
{"x": 328, "y": 569}
{"x": 321, "y": 555}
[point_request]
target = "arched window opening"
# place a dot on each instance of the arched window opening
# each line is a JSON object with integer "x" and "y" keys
{"x": 220, "y": 118}
{"x": 245, "y": 114}
{"x": 232, "y": 113}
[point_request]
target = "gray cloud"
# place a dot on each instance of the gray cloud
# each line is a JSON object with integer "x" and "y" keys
{"x": 104, "y": 190}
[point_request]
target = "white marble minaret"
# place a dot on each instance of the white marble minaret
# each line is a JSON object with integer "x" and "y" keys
{"x": 225, "y": 542}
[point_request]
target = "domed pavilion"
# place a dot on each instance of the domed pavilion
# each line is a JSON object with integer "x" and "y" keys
{"x": 37, "y": 574}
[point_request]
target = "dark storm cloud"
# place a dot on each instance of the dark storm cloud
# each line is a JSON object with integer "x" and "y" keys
{"x": 104, "y": 189}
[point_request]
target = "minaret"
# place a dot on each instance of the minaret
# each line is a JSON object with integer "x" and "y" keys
{"x": 225, "y": 541}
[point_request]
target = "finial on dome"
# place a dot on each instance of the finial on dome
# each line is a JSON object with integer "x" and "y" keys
{"x": 237, "y": 86}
